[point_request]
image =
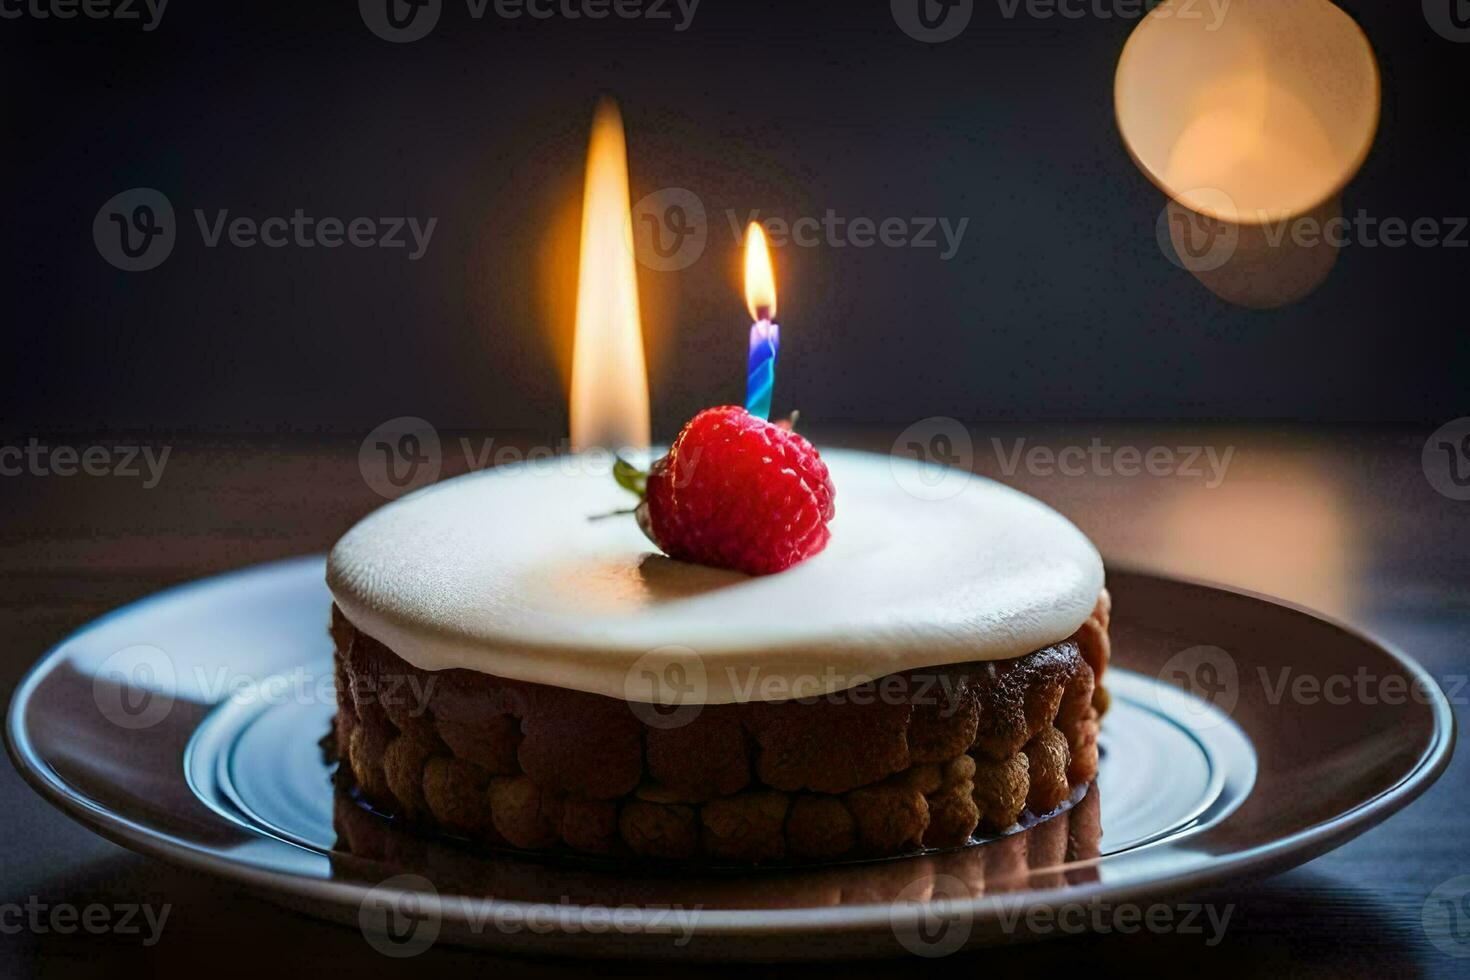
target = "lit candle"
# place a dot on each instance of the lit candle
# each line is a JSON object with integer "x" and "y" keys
{"x": 765, "y": 334}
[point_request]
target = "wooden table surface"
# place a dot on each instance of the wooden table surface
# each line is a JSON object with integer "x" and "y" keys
{"x": 1343, "y": 520}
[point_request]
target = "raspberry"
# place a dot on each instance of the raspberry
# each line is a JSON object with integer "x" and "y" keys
{"x": 738, "y": 492}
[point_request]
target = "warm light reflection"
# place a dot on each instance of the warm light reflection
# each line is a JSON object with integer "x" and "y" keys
{"x": 760, "y": 278}
{"x": 609, "y": 376}
{"x": 1278, "y": 525}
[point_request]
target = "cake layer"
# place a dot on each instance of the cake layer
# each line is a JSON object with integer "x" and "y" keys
{"x": 913, "y": 761}
{"x": 504, "y": 572}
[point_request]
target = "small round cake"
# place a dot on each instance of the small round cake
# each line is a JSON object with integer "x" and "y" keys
{"x": 517, "y": 669}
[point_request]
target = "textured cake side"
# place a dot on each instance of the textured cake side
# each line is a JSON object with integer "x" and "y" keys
{"x": 914, "y": 760}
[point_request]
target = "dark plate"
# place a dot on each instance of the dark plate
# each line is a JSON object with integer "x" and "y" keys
{"x": 185, "y": 726}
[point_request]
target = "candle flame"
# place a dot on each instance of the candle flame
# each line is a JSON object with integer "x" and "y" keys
{"x": 760, "y": 278}
{"x": 609, "y": 376}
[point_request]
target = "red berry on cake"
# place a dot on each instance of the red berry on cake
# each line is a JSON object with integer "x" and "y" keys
{"x": 736, "y": 491}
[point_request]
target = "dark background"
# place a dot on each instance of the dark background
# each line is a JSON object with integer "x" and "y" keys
{"x": 1059, "y": 305}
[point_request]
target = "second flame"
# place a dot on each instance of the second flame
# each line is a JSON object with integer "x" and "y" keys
{"x": 609, "y": 376}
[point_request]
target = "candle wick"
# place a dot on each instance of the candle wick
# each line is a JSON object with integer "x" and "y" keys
{"x": 763, "y": 314}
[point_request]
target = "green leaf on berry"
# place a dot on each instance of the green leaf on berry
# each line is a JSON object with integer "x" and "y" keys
{"x": 630, "y": 477}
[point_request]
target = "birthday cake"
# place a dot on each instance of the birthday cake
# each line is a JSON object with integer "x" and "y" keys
{"x": 514, "y": 672}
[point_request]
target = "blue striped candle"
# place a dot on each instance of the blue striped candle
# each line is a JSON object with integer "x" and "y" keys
{"x": 760, "y": 377}
{"x": 765, "y": 336}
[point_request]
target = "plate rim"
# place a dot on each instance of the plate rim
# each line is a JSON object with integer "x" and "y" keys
{"x": 1274, "y": 856}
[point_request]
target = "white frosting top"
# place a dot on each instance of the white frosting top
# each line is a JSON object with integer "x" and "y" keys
{"x": 503, "y": 572}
